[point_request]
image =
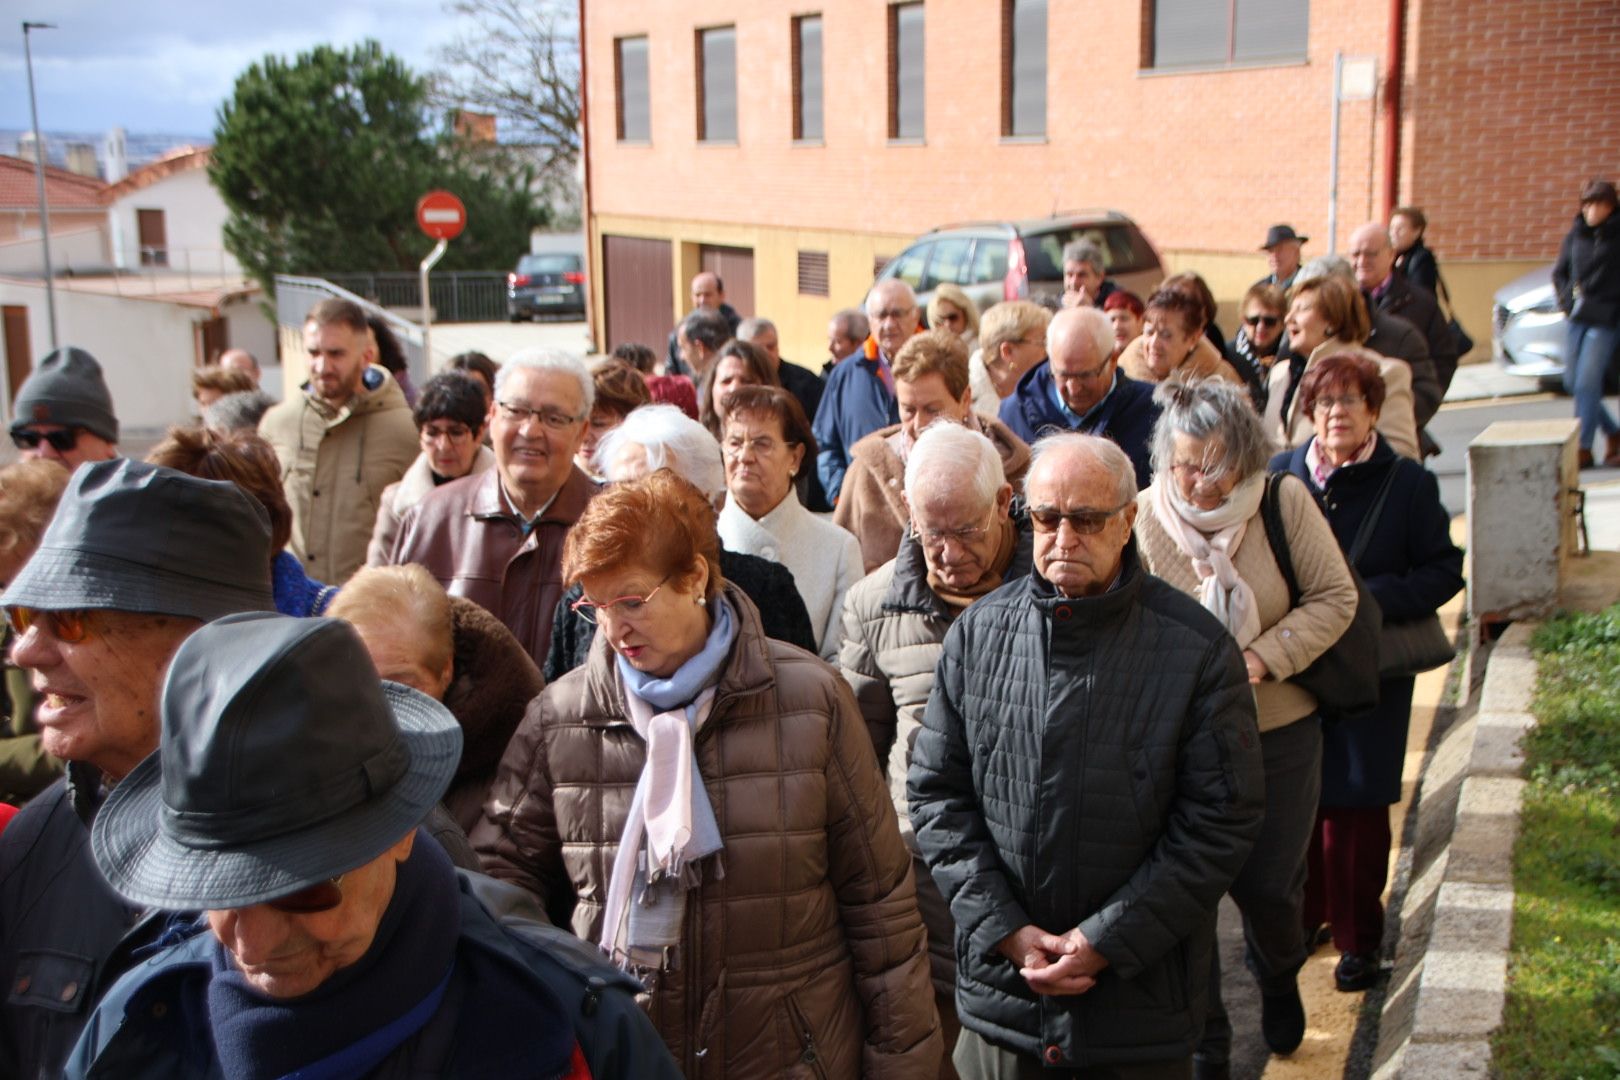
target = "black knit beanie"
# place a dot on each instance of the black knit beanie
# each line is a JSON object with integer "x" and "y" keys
{"x": 67, "y": 389}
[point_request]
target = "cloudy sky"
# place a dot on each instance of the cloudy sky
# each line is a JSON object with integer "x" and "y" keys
{"x": 165, "y": 65}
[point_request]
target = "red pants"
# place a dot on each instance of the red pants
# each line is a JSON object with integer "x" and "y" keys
{"x": 1348, "y": 866}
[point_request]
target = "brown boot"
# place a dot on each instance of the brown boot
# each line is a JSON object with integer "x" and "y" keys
{"x": 1611, "y": 450}
{"x": 1585, "y": 458}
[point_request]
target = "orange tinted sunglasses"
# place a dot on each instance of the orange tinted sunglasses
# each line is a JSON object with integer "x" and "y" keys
{"x": 322, "y": 896}
{"x": 69, "y": 626}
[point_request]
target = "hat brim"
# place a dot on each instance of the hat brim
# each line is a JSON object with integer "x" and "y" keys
{"x": 65, "y": 579}
{"x": 147, "y": 866}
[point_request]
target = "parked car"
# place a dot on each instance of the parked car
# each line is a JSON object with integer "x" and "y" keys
{"x": 1023, "y": 260}
{"x": 1528, "y": 330}
{"x": 552, "y": 283}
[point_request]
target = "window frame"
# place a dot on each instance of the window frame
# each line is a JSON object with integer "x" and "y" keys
{"x": 1009, "y": 56}
{"x": 892, "y": 14}
{"x": 618, "y": 89}
{"x": 699, "y": 39}
{"x": 1149, "y": 66}
{"x": 796, "y": 48}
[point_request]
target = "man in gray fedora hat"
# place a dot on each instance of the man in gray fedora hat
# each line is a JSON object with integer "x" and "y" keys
{"x": 335, "y": 940}
{"x": 136, "y": 558}
{"x": 1282, "y": 246}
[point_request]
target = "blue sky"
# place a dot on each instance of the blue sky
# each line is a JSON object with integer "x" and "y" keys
{"x": 165, "y": 65}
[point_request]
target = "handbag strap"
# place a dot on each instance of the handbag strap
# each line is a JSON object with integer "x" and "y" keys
{"x": 1277, "y": 534}
{"x": 1358, "y": 547}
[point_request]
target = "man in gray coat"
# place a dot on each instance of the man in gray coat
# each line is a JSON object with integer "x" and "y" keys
{"x": 1086, "y": 785}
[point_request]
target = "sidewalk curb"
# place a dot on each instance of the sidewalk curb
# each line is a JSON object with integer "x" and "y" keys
{"x": 1450, "y": 981}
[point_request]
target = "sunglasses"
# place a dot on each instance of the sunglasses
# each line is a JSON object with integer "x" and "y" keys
{"x": 69, "y": 626}
{"x": 61, "y": 440}
{"x": 1262, "y": 320}
{"x": 1084, "y": 522}
{"x": 322, "y": 896}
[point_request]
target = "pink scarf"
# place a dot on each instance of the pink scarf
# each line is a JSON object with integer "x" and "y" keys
{"x": 1209, "y": 538}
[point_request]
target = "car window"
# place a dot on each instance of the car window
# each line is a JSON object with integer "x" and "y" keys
{"x": 1122, "y": 246}
{"x": 908, "y": 265}
{"x": 949, "y": 262}
{"x": 989, "y": 261}
{"x": 548, "y": 264}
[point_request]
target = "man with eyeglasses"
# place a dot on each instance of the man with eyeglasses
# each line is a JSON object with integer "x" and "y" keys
{"x": 64, "y": 413}
{"x": 340, "y": 442}
{"x": 497, "y": 538}
{"x": 1081, "y": 388}
{"x": 1086, "y": 785}
{"x": 859, "y": 397}
{"x": 1387, "y": 290}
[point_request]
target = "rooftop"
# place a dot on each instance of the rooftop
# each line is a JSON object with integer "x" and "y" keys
{"x": 63, "y": 190}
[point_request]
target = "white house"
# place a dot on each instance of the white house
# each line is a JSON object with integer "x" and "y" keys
{"x": 166, "y": 215}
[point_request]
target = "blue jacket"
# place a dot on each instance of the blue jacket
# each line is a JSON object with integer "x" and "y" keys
{"x": 855, "y": 404}
{"x": 1127, "y": 417}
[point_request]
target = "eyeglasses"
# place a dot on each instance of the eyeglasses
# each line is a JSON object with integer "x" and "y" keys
{"x": 62, "y": 440}
{"x": 71, "y": 626}
{"x": 1079, "y": 376}
{"x": 322, "y": 896}
{"x": 1262, "y": 320}
{"x": 1324, "y": 404}
{"x": 1085, "y": 522}
{"x": 1199, "y": 472}
{"x": 456, "y": 433}
{"x": 625, "y": 607}
{"x": 762, "y": 447}
{"x": 553, "y": 419}
{"x": 935, "y": 539}
{"x": 892, "y": 313}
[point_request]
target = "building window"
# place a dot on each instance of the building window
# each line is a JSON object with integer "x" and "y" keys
{"x": 634, "y": 110}
{"x": 905, "y": 71}
{"x": 807, "y": 78}
{"x": 1214, "y": 33}
{"x": 717, "y": 84}
{"x": 813, "y": 273}
{"x": 153, "y": 236}
{"x": 1023, "y": 67}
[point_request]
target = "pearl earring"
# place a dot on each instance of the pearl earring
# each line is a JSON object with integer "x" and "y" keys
{"x": 703, "y": 601}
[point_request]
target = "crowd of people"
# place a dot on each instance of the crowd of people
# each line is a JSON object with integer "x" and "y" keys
{"x": 703, "y": 713}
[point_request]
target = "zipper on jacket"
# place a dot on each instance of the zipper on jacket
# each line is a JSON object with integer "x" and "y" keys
{"x": 809, "y": 1055}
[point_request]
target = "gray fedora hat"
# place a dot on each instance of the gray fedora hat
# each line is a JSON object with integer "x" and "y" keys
{"x": 284, "y": 761}
{"x": 128, "y": 536}
{"x": 1279, "y": 234}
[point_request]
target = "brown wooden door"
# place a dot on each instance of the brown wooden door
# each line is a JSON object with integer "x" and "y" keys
{"x": 18, "y": 362}
{"x": 638, "y": 287}
{"x": 213, "y": 337}
{"x": 154, "y": 237}
{"x": 736, "y": 269}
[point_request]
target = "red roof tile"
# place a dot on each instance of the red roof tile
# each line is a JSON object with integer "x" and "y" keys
{"x": 18, "y": 190}
{"x": 179, "y": 160}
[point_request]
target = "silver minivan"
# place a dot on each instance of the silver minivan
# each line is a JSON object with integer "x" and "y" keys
{"x": 1528, "y": 331}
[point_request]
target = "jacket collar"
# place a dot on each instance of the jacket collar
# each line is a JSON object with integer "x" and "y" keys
{"x": 1093, "y": 612}
{"x": 569, "y": 502}
{"x": 908, "y": 588}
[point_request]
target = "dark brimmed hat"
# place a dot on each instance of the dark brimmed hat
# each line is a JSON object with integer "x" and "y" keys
{"x": 128, "y": 536}
{"x": 1599, "y": 191}
{"x": 1278, "y": 234}
{"x": 67, "y": 388}
{"x": 284, "y": 762}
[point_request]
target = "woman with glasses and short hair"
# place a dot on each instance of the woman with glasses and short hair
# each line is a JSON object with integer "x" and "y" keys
{"x": 1254, "y": 349}
{"x": 703, "y": 804}
{"x": 1200, "y": 528}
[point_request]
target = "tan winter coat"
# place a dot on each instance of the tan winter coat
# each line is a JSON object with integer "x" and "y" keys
{"x": 806, "y": 959}
{"x": 334, "y": 467}
{"x": 1291, "y": 638}
{"x": 1396, "y": 422}
{"x": 872, "y": 504}
{"x": 416, "y": 485}
{"x": 1205, "y": 362}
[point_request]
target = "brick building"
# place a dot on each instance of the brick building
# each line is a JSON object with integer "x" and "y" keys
{"x": 793, "y": 146}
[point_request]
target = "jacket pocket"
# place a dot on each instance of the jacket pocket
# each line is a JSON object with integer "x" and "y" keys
{"x": 809, "y": 1053}
{"x": 56, "y": 981}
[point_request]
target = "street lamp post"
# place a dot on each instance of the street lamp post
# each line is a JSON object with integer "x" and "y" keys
{"x": 39, "y": 177}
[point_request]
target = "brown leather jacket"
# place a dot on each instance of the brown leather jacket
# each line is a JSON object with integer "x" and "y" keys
{"x": 466, "y": 538}
{"x": 807, "y": 957}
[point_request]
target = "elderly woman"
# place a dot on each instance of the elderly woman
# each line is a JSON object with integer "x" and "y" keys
{"x": 738, "y": 363}
{"x": 1012, "y": 340}
{"x": 451, "y": 416}
{"x": 705, "y": 803}
{"x": 1124, "y": 310}
{"x": 1386, "y": 511}
{"x": 1173, "y": 344}
{"x": 248, "y": 462}
{"x": 29, "y": 492}
{"x": 1586, "y": 278}
{"x": 1200, "y": 528}
{"x": 1327, "y": 315}
{"x": 662, "y": 437}
{"x": 962, "y": 543}
{"x": 1254, "y": 349}
{"x": 953, "y": 310}
{"x": 930, "y": 384}
{"x": 767, "y": 443}
{"x": 620, "y": 390}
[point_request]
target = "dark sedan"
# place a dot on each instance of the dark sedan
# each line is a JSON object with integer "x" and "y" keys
{"x": 548, "y": 284}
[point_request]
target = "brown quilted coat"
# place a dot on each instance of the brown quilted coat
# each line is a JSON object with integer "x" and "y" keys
{"x": 807, "y": 958}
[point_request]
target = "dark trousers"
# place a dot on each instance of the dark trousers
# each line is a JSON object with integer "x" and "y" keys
{"x": 1349, "y": 865}
{"x": 1270, "y": 889}
{"x": 977, "y": 1058}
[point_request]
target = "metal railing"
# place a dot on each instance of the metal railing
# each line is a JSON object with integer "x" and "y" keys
{"x": 295, "y": 296}
{"x": 455, "y": 295}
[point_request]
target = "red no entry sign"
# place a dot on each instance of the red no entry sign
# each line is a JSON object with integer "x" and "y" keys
{"x": 441, "y": 215}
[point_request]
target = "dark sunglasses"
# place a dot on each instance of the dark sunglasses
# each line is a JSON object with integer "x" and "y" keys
{"x": 1262, "y": 320}
{"x": 322, "y": 896}
{"x": 69, "y": 626}
{"x": 1084, "y": 522}
{"x": 61, "y": 441}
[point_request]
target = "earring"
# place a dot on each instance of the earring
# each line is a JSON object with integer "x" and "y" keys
{"x": 703, "y": 601}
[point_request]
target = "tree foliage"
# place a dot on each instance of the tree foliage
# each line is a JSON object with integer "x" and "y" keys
{"x": 321, "y": 160}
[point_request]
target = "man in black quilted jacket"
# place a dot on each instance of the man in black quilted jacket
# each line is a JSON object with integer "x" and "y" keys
{"x": 1086, "y": 785}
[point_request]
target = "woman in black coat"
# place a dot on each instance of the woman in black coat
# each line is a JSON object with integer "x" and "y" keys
{"x": 1587, "y": 280}
{"x": 1412, "y": 258}
{"x": 1411, "y": 567}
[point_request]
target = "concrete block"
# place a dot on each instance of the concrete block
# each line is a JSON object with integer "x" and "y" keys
{"x": 1510, "y": 681}
{"x": 1520, "y": 526}
{"x": 1444, "y": 1061}
{"x": 1497, "y": 744}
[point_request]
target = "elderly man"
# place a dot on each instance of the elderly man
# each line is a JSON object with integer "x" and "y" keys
{"x": 243, "y": 361}
{"x": 962, "y": 544}
{"x": 1282, "y": 247}
{"x": 699, "y": 337}
{"x": 341, "y": 442}
{"x": 708, "y": 294}
{"x": 801, "y": 382}
{"x": 845, "y": 332}
{"x": 930, "y": 385}
{"x": 1086, "y": 785}
{"x": 136, "y": 558}
{"x": 1085, "y": 275}
{"x": 63, "y": 412}
{"x": 860, "y": 392}
{"x": 496, "y": 537}
{"x": 1080, "y": 388}
{"x": 336, "y": 940}
{"x": 1388, "y": 291}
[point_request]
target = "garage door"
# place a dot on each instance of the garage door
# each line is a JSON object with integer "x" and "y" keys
{"x": 638, "y": 285}
{"x": 736, "y": 269}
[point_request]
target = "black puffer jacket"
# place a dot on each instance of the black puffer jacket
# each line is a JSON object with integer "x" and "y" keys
{"x": 1089, "y": 763}
{"x": 1421, "y": 310}
{"x": 1589, "y": 263}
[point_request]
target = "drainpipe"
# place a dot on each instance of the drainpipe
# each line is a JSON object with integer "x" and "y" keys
{"x": 595, "y": 288}
{"x": 1392, "y": 104}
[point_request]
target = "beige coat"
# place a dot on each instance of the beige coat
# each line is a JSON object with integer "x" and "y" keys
{"x": 412, "y": 488}
{"x": 334, "y": 467}
{"x": 1291, "y": 638}
{"x": 1396, "y": 423}
{"x": 1205, "y": 362}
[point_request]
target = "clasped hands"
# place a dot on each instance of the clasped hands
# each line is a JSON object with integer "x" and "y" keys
{"x": 1052, "y": 963}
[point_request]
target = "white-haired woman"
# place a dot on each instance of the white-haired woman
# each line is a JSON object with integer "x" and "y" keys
{"x": 1200, "y": 527}
{"x": 657, "y": 437}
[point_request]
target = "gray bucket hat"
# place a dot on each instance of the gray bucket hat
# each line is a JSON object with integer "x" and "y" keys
{"x": 128, "y": 536}
{"x": 284, "y": 762}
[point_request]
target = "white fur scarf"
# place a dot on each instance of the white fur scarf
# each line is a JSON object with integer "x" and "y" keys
{"x": 1208, "y": 538}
